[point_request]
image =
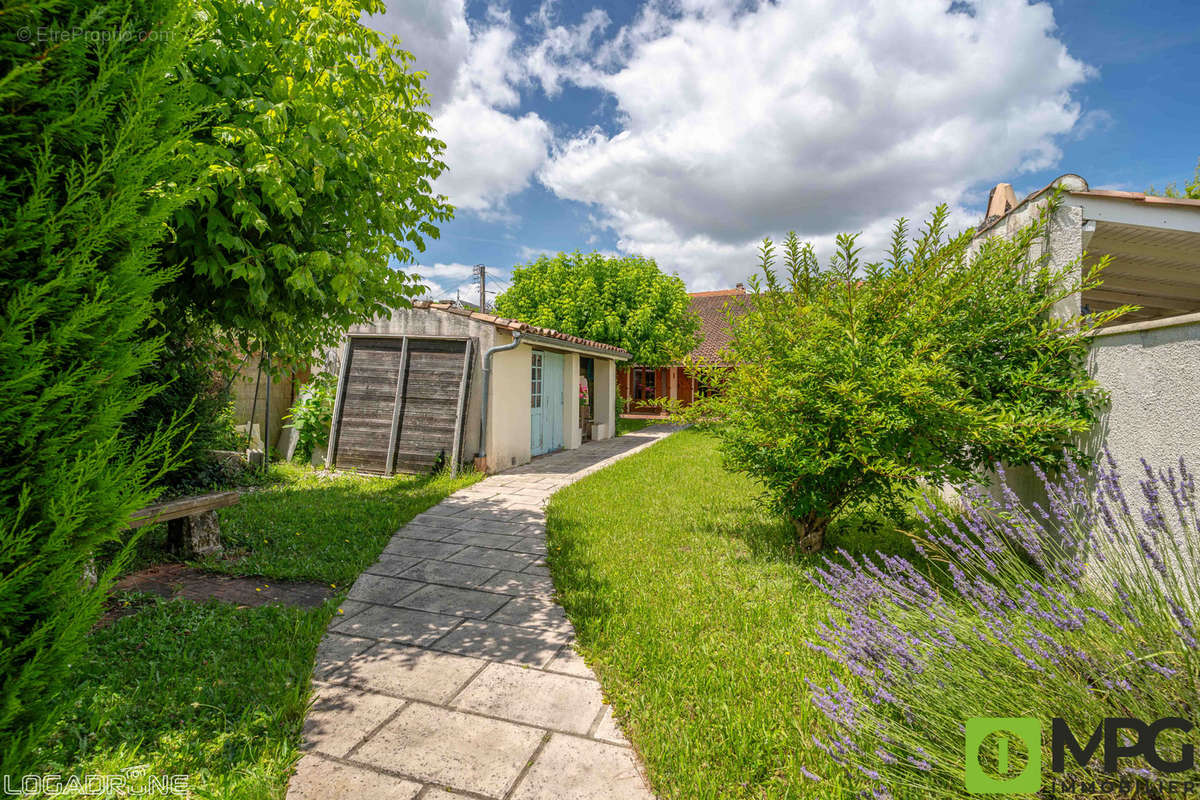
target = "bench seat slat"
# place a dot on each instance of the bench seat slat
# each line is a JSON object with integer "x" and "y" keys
{"x": 182, "y": 507}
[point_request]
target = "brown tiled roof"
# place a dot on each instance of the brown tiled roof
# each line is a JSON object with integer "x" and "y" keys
{"x": 523, "y": 327}
{"x": 714, "y": 328}
{"x": 1142, "y": 197}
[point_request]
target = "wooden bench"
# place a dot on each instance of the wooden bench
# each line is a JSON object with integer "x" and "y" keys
{"x": 193, "y": 528}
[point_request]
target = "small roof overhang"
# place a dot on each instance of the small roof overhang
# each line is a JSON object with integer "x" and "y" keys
{"x": 1156, "y": 268}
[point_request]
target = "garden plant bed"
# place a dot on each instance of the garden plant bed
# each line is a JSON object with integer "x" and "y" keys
{"x": 197, "y": 585}
{"x": 694, "y": 616}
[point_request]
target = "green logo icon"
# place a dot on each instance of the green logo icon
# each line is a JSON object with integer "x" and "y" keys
{"x": 1002, "y": 778}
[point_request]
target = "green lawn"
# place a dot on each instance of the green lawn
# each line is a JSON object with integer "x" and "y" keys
{"x": 625, "y": 425}
{"x": 216, "y": 692}
{"x": 321, "y": 526}
{"x": 209, "y": 691}
{"x": 695, "y": 617}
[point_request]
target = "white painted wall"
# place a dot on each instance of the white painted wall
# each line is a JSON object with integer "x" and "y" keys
{"x": 604, "y": 400}
{"x": 1151, "y": 371}
{"x": 508, "y": 412}
{"x": 572, "y": 436}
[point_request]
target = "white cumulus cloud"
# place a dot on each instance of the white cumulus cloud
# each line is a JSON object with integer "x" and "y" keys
{"x": 817, "y": 115}
{"x": 475, "y": 71}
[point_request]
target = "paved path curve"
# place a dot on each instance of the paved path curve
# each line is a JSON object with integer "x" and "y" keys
{"x": 451, "y": 673}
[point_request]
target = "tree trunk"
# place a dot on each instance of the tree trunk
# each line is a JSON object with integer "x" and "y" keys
{"x": 810, "y": 532}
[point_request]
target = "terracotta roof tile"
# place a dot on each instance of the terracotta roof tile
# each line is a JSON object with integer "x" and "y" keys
{"x": 1142, "y": 197}
{"x": 523, "y": 327}
{"x": 714, "y": 329}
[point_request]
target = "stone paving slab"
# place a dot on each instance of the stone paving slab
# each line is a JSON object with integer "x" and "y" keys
{"x": 407, "y": 672}
{"x": 496, "y": 559}
{"x": 533, "y": 612}
{"x": 571, "y": 768}
{"x": 318, "y": 778}
{"x": 450, "y": 671}
{"x": 508, "y": 643}
{"x": 458, "y": 751}
{"x": 341, "y": 717}
{"x": 370, "y": 588}
{"x": 454, "y": 600}
{"x": 549, "y": 701}
{"x": 389, "y": 624}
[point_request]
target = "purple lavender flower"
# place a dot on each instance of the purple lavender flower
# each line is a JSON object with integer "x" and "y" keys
{"x": 1002, "y": 588}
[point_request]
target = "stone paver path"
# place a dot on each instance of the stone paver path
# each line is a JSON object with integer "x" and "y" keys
{"x": 452, "y": 672}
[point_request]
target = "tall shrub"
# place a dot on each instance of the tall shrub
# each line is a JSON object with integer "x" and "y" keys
{"x": 850, "y": 381}
{"x": 92, "y": 163}
{"x": 1083, "y": 610}
{"x": 322, "y": 156}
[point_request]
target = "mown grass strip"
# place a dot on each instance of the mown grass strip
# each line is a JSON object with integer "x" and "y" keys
{"x": 690, "y": 608}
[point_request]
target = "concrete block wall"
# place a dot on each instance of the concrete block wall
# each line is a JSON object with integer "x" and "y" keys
{"x": 283, "y": 394}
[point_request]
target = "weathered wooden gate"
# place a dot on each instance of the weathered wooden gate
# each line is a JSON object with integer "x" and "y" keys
{"x": 401, "y": 404}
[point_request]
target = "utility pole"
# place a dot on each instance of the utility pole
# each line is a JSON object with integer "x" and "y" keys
{"x": 481, "y": 273}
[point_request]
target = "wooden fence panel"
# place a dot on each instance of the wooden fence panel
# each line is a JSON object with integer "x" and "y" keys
{"x": 402, "y": 392}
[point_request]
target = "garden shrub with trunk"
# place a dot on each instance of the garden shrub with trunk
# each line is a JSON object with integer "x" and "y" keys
{"x": 321, "y": 158}
{"x": 851, "y": 382}
{"x": 94, "y": 159}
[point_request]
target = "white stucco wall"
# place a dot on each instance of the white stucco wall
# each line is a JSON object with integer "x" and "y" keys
{"x": 1063, "y": 239}
{"x": 1151, "y": 371}
{"x": 508, "y": 413}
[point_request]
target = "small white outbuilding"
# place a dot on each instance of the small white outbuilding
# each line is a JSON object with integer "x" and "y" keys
{"x": 437, "y": 385}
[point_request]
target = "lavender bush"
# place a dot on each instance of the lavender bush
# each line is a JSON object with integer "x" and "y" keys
{"x": 1084, "y": 609}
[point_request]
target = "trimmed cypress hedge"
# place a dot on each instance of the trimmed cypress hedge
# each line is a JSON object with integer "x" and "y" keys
{"x": 94, "y": 157}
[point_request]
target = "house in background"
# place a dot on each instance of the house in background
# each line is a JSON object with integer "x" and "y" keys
{"x": 438, "y": 385}
{"x": 645, "y": 388}
{"x": 1148, "y": 361}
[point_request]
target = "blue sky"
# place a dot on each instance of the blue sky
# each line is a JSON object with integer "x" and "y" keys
{"x": 686, "y": 130}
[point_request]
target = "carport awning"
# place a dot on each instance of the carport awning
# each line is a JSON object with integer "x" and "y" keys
{"x": 1156, "y": 269}
{"x": 1153, "y": 246}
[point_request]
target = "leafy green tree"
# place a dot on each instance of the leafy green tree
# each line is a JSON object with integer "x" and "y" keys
{"x": 93, "y": 162}
{"x": 625, "y": 301}
{"x": 851, "y": 381}
{"x": 1191, "y": 191}
{"x": 321, "y": 162}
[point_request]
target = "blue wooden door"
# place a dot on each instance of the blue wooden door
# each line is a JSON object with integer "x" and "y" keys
{"x": 545, "y": 402}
